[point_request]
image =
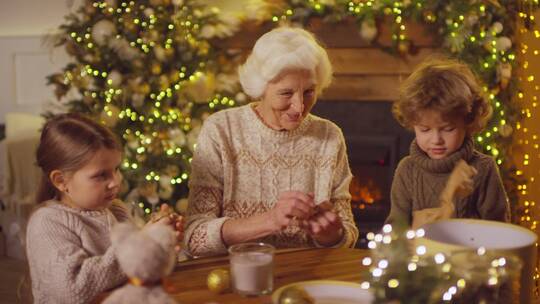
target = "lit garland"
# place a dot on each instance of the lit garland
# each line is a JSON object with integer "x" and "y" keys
{"x": 527, "y": 130}
{"x": 528, "y": 98}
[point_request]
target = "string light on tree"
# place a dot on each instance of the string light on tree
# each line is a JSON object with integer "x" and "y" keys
{"x": 137, "y": 67}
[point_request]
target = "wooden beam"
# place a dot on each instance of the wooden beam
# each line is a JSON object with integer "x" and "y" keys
{"x": 362, "y": 61}
{"x": 363, "y": 88}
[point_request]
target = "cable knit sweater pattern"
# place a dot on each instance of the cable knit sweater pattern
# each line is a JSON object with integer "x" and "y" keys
{"x": 70, "y": 255}
{"x": 241, "y": 166}
{"x": 419, "y": 181}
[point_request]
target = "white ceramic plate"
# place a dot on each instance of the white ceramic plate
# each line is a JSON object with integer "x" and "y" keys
{"x": 330, "y": 292}
{"x": 471, "y": 233}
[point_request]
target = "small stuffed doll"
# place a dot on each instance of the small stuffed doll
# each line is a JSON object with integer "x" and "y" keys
{"x": 459, "y": 185}
{"x": 145, "y": 256}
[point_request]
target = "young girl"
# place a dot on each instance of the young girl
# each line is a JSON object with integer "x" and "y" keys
{"x": 68, "y": 244}
{"x": 444, "y": 176}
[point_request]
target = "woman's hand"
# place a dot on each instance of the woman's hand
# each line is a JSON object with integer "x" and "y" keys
{"x": 291, "y": 207}
{"x": 324, "y": 226}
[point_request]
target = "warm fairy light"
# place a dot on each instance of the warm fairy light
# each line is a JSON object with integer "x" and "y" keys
{"x": 421, "y": 250}
{"x": 366, "y": 261}
{"x": 393, "y": 283}
{"x": 528, "y": 135}
{"x": 440, "y": 258}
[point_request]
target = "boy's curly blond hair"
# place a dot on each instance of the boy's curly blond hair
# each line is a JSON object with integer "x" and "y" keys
{"x": 446, "y": 86}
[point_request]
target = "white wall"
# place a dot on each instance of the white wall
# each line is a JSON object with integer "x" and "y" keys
{"x": 25, "y": 60}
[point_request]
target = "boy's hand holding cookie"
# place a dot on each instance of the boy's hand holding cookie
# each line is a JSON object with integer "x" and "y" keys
{"x": 460, "y": 184}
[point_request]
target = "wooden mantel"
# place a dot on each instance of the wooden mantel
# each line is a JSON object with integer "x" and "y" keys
{"x": 362, "y": 72}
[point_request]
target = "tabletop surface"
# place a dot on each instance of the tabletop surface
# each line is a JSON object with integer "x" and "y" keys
{"x": 187, "y": 284}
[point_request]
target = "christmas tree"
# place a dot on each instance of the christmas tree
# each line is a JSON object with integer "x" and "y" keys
{"x": 148, "y": 71}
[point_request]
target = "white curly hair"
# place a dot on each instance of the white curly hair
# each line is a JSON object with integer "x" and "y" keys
{"x": 281, "y": 49}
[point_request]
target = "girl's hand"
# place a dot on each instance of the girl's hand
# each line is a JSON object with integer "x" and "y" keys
{"x": 291, "y": 207}
{"x": 167, "y": 216}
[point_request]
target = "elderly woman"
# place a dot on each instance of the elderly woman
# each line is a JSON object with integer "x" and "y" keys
{"x": 270, "y": 171}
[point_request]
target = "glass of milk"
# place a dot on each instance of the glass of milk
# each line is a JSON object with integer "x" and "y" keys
{"x": 252, "y": 268}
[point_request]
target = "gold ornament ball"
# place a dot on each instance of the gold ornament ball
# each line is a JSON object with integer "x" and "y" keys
{"x": 144, "y": 89}
{"x": 129, "y": 23}
{"x": 174, "y": 76}
{"x": 169, "y": 52}
{"x": 153, "y": 35}
{"x": 403, "y": 47}
{"x": 294, "y": 295}
{"x": 218, "y": 280}
{"x": 505, "y": 130}
{"x": 156, "y": 69}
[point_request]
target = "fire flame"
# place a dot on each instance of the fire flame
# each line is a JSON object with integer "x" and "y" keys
{"x": 368, "y": 193}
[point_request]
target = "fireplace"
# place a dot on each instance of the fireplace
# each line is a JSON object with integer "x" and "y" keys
{"x": 375, "y": 144}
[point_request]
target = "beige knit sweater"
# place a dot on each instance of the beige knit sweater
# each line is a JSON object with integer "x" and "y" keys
{"x": 70, "y": 254}
{"x": 419, "y": 181}
{"x": 241, "y": 166}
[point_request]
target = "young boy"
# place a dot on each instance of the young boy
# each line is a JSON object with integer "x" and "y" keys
{"x": 444, "y": 176}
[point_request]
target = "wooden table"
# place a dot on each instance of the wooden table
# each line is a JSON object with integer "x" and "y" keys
{"x": 187, "y": 284}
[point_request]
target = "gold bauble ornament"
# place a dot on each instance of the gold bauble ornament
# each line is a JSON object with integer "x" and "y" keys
{"x": 169, "y": 52}
{"x": 295, "y": 295}
{"x": 144, "y": 88}
{"x": 218, "y": 280}
{"x": 204, "y": 47}
{"x": 174, "y": 76}
{"x": 403, "y": 47}
{"x": 156, "y": 69}
{"x": 163, "y": 82}
{"x": 129, "y": 23}
{"x": 505, "y": 130}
